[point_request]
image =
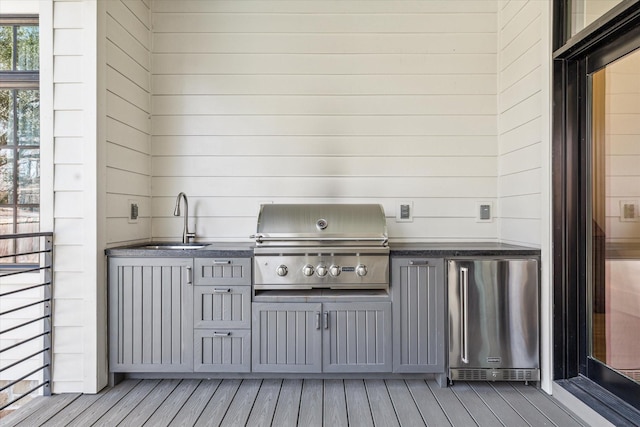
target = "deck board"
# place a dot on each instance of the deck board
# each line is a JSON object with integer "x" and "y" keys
{"x": 427, "y": 404}
{"x": 498, "y": 405}
{"x": 306, "y": 403}
{"x": 310, "y": 414}
{"x": 126, "y": 406}
{"x": 150, "y": 404}
{"x": 240, "y": 408}
{"x": 171, "y": 405}
{"x": 111, "y": 398}
{"x": 547, "y": 406}
{"x": 381, "y": 407}
{"x": 530, "y": 413}
{"x": 476, "y": 407}
{"x": 44, "y": 413}
{"x": 288, "y": 407}
{"x": 74, "y": 409}
{"x": 405, "y": 406}
{"x": 335, "y": 404}
{"x": 453, "y": 408}
{"x": 193, "y": 407}
{"x": 217, "y": 406}
{"x": 265, "y": 405}
{"x": 358, "y": 409}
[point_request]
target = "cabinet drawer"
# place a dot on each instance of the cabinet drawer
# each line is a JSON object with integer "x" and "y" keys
{"x": 222, "y": 306}
{"x": 228, "y": 271}
{"x": 222, "y": 350}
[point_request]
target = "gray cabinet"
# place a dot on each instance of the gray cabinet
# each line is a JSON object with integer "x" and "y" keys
{"x": 321, "y": 337}
{"x": 417, "y": 290}
{"x": 222, "y": 315}
{"x": 356, "y": 337}
{"x": 150, "y": 318}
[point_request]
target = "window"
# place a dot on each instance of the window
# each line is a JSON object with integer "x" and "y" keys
{"x": 19, "y": 135}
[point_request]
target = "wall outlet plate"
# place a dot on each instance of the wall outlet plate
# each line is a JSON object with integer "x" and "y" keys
{"x": 404, "y": 211}
{"x": 484, "y": 211}
{"x": 133, "y": 211}
{"x": 629, "y": 210}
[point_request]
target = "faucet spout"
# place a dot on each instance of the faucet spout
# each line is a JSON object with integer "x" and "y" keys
{"x": 186, "y": 235}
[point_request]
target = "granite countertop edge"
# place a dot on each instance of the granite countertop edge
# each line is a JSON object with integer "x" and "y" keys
{"x": 417, "y": 249}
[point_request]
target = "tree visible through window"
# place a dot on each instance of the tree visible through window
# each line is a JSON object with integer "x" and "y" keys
{"x": 19, "y": 136}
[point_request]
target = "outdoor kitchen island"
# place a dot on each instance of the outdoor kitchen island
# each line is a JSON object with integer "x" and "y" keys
{"x": 193, "y": 313}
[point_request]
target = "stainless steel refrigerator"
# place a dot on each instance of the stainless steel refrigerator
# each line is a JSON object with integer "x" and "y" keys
{"x": 494, "y": 319}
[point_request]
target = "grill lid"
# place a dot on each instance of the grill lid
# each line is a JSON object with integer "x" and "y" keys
{"x": 339, "y": 224}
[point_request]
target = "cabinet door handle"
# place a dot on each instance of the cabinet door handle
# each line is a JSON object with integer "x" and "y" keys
{"x": 189, "y": 275}
{"x": 325, "y": 319}
{"x": 222, "y": 261}
{"x": 222, "y": 334}
{"x": 464, "y": 314}
{"x": 221, "y": 290}
{"x": 418, "y": 262}
{"x": 317, "y": 320}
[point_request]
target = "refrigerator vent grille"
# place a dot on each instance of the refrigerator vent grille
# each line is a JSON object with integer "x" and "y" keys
{"x": 495, "y": 374}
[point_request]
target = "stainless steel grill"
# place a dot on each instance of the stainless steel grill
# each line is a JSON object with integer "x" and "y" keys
{"x": 337, "y": 246}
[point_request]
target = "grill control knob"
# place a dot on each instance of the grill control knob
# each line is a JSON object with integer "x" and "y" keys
{"x": 321, "y": 270}
{"x": 307, "y": 270}
{"x": 282, "y": 270}
{"x": 334, "y": 270}
{"x": 361, "y": 270}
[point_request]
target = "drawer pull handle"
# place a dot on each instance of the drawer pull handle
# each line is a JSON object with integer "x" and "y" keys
{"x": 222, "y": 261}
{"x": 222, "y": 334}
{"x": 221, "y": 290}
{"x": 418, "y": 262}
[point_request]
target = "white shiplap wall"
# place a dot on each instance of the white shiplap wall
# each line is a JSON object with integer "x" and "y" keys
{"x": 128, "y": 126}
{"x": 523, "y": 118}
{"x": 319, "y": 101}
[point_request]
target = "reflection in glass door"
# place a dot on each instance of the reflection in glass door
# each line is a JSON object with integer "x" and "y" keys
{"x": 615, "y": 216}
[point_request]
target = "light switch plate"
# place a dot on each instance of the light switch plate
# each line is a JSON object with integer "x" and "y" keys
{"x": 404, "y": 211}
{"x": 484, "y": 211}
{"x": 133, "y": 211}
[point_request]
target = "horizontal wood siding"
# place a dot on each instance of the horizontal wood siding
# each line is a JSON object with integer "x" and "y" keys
{"x": 315, "y": 101}
{"x": 128, "y": 111}
{"x": 70, "y": 217}
{"x": 521, "y": 122}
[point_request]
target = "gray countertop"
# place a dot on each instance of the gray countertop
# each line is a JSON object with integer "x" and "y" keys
{"x": 460, "y": 249}
{"x": 243, "y": 250}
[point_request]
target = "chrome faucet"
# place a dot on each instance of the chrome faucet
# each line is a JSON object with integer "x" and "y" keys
{"x": 176, "y": 212}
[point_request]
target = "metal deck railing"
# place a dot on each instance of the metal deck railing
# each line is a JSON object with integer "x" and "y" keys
{"x": 26, "y": 312}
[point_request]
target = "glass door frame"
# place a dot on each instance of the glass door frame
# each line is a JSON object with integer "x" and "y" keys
{"x": 574, "y": 60}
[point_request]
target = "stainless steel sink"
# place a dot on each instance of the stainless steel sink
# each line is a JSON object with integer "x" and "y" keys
{"x": 179, "y": 246}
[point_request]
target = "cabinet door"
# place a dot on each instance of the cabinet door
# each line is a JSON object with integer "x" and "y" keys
{"x": 356, "y": 337}
{"x": 222, "y": 307}
{"x": 417, "y": 290}
{"x": 150, "y": 319}
{"x": 222, "y": 271}
{"x": 286, "y": 337}
{"x": 222, "y": 350}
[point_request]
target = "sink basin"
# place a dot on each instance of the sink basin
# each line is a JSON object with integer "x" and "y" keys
{"x": 180, "y": 246}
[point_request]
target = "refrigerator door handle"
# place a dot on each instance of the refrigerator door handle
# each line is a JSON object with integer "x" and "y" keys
{"x": 464, "y": 314}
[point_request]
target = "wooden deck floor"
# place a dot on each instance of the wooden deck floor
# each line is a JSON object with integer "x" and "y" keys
{"x": 307, "y": 403}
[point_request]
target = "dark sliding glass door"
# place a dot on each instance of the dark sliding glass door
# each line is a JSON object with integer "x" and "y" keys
{"x": 596, "y": 198}
{"x": 613, "y": 303}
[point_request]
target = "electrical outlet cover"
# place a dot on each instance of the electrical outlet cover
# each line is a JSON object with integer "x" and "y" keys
{"x": 404, "y": 211}
{"x": 629, "y": 210}
{"x": 484, "y": 211}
